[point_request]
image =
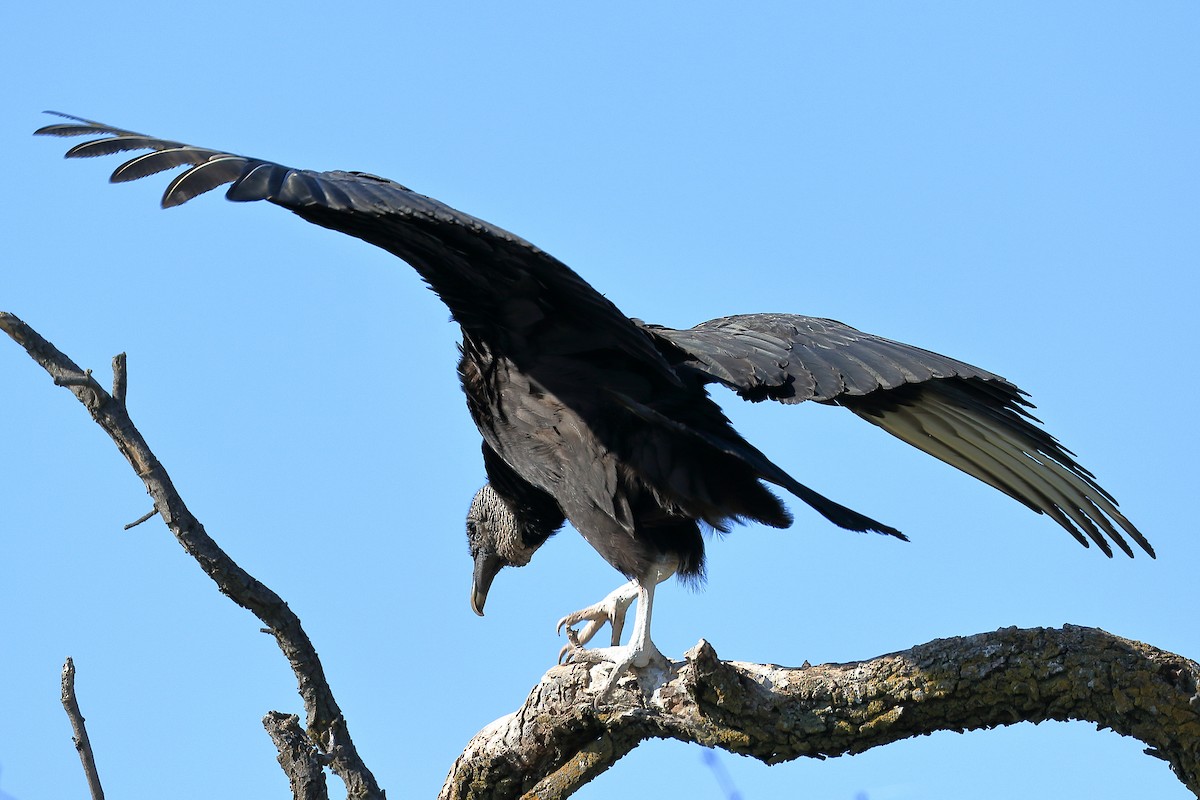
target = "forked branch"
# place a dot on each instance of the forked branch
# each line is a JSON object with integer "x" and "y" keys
{"x": 325, "y": 725}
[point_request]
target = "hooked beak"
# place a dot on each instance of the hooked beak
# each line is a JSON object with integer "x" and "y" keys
{"x": 487, "y": 564}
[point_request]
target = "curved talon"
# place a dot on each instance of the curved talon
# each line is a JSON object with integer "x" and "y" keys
{"x": 611, "y": 610}
{"x": 594, "y": 624}
{"x": 618, "y": 624}
{"x": 572, "y": 646}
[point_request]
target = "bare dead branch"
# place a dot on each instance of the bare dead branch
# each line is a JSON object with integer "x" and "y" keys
{"x": 558, "y": 740}
{"x": 298, "y": 756}
{"x": 141, "y": 519}
{"x": 325, "y": 723}
{"x": 120, "y": 378}
{"x": 79, "y": 731}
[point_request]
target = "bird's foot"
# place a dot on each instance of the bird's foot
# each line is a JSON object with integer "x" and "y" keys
{"x": 611, "y": 610}
{"x": 624, "y": 660}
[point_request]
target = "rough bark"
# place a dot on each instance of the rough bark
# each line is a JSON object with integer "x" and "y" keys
{"x": 559, "y": 739}
{"x": 300, "y": 761}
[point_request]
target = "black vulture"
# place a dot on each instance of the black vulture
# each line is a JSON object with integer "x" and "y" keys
{"x": 593, "y": 417}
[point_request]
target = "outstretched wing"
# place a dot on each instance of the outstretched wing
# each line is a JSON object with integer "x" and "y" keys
{"x": 965, "y": 416}
{"x": 495, "y": 283}
{"x": 527, "y": 306}
{"x": 792, "y": 358}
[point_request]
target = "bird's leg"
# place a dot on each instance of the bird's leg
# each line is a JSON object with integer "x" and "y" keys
{"x": 640, "y": 651}
{"x": 611, "y": 609}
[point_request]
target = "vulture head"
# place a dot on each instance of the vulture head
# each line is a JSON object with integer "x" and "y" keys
{"x": 501, "y": 533}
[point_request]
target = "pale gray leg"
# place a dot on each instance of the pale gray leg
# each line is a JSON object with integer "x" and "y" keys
{"x": 641, "y": 649}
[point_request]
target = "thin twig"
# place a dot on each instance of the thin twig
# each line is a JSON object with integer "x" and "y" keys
{"x": 82, "y": 743}
{"x": 142, "y": 518}
{"x": 325, "y": 723}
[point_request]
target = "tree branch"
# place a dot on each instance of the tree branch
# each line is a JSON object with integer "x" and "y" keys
{"x": 82, "y": 743}
{"x": 558, "y": 740}
{"x": 325, "y": 723}
{"x": 297, "y": 756}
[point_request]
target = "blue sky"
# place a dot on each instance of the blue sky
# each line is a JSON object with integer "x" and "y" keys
{"x": 1011, "y": 184}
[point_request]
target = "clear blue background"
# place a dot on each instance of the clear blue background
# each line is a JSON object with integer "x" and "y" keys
{"x": 1013, "y": 184}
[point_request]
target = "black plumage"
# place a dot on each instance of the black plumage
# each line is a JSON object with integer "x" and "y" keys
{"x": 605, "y": 421}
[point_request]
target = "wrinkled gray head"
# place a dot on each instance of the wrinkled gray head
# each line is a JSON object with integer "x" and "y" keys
{"x": 497, "y": 539}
